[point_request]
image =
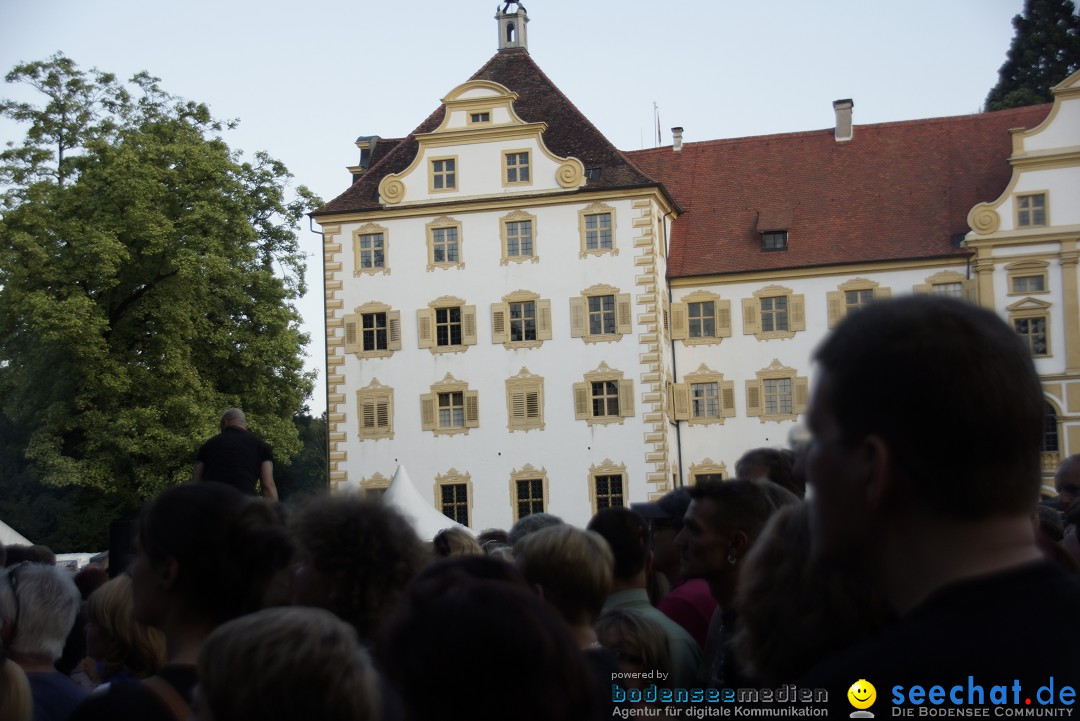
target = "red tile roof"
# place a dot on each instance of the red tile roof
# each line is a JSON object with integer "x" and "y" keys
{"x": 895, "y": 191}
{"x": 569, "y": 133}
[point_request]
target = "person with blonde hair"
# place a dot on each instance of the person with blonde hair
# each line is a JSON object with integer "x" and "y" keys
{"x": 451, "y": 542}
{"x": 286, "y": 663}
{"x": 125, "y": 649}
{"x": 16, "y": 702}
{"x": 572, "y": 570}
{"x": 639, "y": 645}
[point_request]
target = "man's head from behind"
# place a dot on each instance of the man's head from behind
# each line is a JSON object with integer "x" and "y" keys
{"x": 233, "y": 418}
{"x": 1067, "y": 482}
{"x": 627, "y": 534}
{"x": 924, "y": 407}
{"x": 38, "y": 604}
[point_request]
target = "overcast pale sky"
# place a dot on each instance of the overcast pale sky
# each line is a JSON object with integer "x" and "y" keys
{"x": 306, "y": 78}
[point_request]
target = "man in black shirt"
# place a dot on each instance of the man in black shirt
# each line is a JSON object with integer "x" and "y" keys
{"x": 237, "y": 457}
{"x": 925, "y": 468}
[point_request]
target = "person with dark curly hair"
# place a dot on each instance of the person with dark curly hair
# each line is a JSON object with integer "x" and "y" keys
{"x": 357, "y": 556}
{"x": 207, "y": 554}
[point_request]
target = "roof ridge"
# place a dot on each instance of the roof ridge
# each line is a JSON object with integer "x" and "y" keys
{"x": 867, "y": 126}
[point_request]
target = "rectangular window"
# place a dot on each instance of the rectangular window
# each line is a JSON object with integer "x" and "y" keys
{"x": 609, "y": 491}
{"x": 444, "y": 245}
{"x": 517, "y": 167}
{"x": 372, "y": 253}
{"x": 773, "y": 241}
{"x": 598, "y": 231}
{"x": 602, "y": 315}
{"x": 444, "y": 174}
{"x": 1029, "y": 283}
{"x": 605, "y": 398}
{"x": 1033, "y": 331}
{"x": 448, "y": 326}
{"x": 519, "y": 239}
{"x": 954, "y": 290}
{"x": 530, "y": 497}
{"x": 774, "y": 313}
{"x": 480, "y": 118}
{"x": 1031, "y": 210}
{"x": 855, "y": 299}
{"x": 452, "y": 410}
{"x": 454, "y": 499}
{"x": 522, "y": 321}
{"x": 705, "y": 400}
{"x": 374, "y": 331}
{"x": 702, "y": 319}
{"x": 778, "y": 400}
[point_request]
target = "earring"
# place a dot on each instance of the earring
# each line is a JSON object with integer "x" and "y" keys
{"x": 731, "y": 559}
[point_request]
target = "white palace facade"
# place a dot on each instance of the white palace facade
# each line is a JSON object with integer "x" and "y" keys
{"x": 529, "y": 319}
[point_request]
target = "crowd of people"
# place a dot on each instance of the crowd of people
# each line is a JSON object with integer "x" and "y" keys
{"x": 921, "y": 555}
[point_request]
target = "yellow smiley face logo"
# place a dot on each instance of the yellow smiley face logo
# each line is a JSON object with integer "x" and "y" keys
{"x": 862, "y": 694}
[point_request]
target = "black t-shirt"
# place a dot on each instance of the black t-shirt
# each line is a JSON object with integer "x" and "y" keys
{"x": 1016, "y": 629}
{"x": 134, "y": 701}
{"x": 234, "y": 456}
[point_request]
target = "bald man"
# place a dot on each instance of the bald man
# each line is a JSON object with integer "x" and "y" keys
{"x": 237, "y": 457}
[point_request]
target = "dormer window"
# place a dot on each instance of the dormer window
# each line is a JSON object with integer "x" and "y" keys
{"x": 475, "y": 118}
{"x": 774, "y": 240}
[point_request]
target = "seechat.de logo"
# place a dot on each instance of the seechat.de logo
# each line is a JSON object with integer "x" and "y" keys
{"x": 862, "y": 695}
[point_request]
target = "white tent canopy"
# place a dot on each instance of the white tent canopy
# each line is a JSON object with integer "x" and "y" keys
{"x": 10, "y": 537}
{"x": 426, "y": 520}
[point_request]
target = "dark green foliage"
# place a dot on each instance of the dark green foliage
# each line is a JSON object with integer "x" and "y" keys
{"x": 1045, "y": 50}
{"x": 147, "y": 281}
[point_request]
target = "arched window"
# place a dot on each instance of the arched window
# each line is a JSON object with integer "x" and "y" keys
{"x": 510, "y": 32}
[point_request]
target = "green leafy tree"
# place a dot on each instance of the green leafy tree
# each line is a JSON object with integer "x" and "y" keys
{"x": 1045, "y": 50}
{"x": 148, "y": 275}
{"x": 306, "y": 475}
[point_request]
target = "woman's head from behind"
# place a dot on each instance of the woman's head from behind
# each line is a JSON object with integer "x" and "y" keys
{"x": 116, "y": 638}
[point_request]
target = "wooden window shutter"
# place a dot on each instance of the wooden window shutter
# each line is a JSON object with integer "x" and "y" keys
{"x": 543, "y": 320}
{"x": 798, "y": 312}
{"x": 921, "y": 289}
{"x": 424, "y": 323}
{"x": 626, "y": 398}
{"x": 623, "y": 313}
{"x": 393, "y": 326}
{"x": 679, "y": 329}
{"x": 352, "y": 334}
{"x": 835, "y": 301}
{"x": 802, "y": 394}
{"x": 880, "y": 292}
{"x": 382, "y": 414}
{"x": 367, "y": 416}
{"x": 680, "y": 401}
{"x": 581, "y": 401}
{"x": 751, "y": 319}
{"x": 723, "y": 318}
{"x": 753, "y": 398}
{"x": 517, "y": 409}
{"x": 970, "y": 291}
{"x": 727, "y": 399}
{"x": 577, "y": 317}
{"x": 532, "y": 405}
{"x": 468, "y": 325}
{"x": 499, "y": 314}
{"x": 427, "y": 412}
{"x": 472, "y": 409}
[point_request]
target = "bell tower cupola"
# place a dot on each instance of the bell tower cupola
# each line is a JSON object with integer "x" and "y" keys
{"x": 512, "y": 26}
